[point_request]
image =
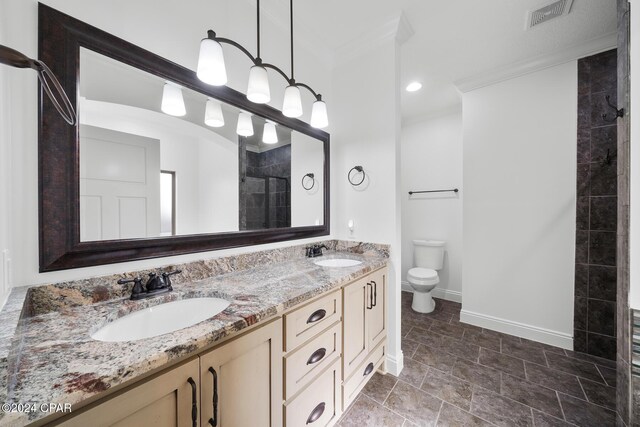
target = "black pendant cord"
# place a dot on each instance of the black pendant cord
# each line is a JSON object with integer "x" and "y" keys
{"x": 258, "y": 59}
{"x": 293, "y": 79}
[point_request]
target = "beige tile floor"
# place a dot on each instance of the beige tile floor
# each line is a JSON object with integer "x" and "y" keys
{"x": 461, "y": 375}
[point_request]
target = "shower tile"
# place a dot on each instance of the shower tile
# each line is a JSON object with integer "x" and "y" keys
{"x": 603, "y": 213}
{"x": 602, "y": 317}
{"x": 604, "y": 179}
{"x": 602, "y": 346}
{"x": 602, "y": 248}
{"x": 580, "y": 307}
{"x": 602, "y": 282}
{"x": 582, "y": 213}
{"x": 579, "y": 340}
{"x": 583, "y": 180}
{"x": 602, "y": 140}
{"x": 582, "y": 247}
{"x": 582, "y": 280}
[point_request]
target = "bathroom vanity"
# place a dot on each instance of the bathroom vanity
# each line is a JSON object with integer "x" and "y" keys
{"x": 294, "y": 347}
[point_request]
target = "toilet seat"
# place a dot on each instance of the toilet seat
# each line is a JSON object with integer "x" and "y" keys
{"x": 422, "y": 276}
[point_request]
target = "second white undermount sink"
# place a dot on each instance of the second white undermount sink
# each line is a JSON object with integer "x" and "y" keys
{"x": 337, "y": 262}
{"x": 160, "y": 319}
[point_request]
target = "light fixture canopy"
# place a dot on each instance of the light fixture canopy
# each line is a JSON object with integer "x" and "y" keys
{"x": 292, "y": 105}
{"x": 211, "y": 67}
{"x": 172, "y": 100}
{"x": 269, "y": 133}
{"x": 245, "y": 124}
{"x": 258, "y": 90}
{"x": 213, "y": 114}
{"x": 319, "y": 117}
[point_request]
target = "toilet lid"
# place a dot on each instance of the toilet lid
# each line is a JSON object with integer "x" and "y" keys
{"x": 423, "y": 273}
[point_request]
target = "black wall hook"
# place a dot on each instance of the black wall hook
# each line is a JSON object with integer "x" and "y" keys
{"x": 619, "y": 112}
{"x": 359, "y": 169}
{"x": 313, "y": 181}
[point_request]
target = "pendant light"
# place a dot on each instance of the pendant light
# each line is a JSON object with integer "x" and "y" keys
{"x": 269, "y": 133}
{"x": 213, "y": 114}
{"x": 211, "y": 69}
{"x": 172, "y": 101}
{"x": 245, "y": 124}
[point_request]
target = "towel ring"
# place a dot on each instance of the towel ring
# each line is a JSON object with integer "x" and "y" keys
{"x": 313, "y": 181}
{"x": 357, "y": 169}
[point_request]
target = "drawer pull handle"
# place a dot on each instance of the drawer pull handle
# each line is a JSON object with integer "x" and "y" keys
{"x": 194, "y": 402}
{"x": 368, "y": 369}
{"x": 317, "y": 315}
{"x": 317, "y": 356}
{"x": 375, "y": 294}
{"x": 214, "y": 420}
{"x": 316, "y": 413}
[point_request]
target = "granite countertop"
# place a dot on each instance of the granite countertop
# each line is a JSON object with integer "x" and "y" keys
{"x": 53, "y": 359}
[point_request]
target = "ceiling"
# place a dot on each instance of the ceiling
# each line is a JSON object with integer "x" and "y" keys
{"x": 453, "y": 40}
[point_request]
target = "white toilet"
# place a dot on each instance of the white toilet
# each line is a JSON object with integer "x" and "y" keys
{"x": 428, "y": 256}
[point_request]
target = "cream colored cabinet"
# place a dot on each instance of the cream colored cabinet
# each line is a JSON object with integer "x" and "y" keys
{"x": 364, "y": 331}
{"x": 242, "y": 380}
{"x": 168, "y": 400}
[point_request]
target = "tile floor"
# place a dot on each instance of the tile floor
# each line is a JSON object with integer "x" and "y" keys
{"x": 461, "y": 375}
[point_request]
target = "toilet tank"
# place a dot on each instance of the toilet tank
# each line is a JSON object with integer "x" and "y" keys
{"x": 428, "y": 254}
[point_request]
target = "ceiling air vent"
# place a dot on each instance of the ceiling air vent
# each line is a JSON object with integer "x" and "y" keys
{"x": 548, "y": 12}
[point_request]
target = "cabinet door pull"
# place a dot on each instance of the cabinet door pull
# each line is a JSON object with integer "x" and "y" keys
{"x": 214, "y": 420}
{"x": 370, "y": 306}
{"x": 316, "y": 413}
{"x": 317, "y": 315}
{"x": 317, "y": 356}
{"x": 194, "y": 402}
{"x": 375, "y": 293}
{"x": 368, "y": 369}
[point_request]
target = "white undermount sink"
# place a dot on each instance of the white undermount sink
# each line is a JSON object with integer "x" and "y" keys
{"x": 337, "y": 262}
{"x": 160, "y": 319}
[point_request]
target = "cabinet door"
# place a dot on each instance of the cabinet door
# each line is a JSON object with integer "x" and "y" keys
{"x": 376, "y": 319}
{"x": 242, "y": 380}
{"x": 355, "y": 336}
{"x": 164, "y": 401}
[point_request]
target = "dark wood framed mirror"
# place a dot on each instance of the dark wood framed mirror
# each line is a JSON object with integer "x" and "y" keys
{"x": 73, "y": 167}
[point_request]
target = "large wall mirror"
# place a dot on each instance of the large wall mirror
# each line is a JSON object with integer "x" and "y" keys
{"x": 162, "y": 164}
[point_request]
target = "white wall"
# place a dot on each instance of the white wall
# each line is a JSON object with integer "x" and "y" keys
{"x": 432, "y": 160}
{"x": 366, "y": 120}
{"x": 5, "y": 173}
{"x": 307, "y": 206}
{"x": 519, "y": 167}
{"x": 145, "y": 23}
{"x": 634, "y": 288}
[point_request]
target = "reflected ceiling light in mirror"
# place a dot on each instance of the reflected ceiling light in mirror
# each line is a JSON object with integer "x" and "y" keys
{"x": 258, "y": 89}
{"x": 213, "y": 114}
{"x": 211, "y": 58}
{"x": 269, "y": 134}
{"x": 319, "y": 118}
{"x": 292, "y": 105}
{"x": 211, "y": 68}
{"x": 172, "y": 101}
{"x": 414, "y": 86}
{"x": 245, "y": 124}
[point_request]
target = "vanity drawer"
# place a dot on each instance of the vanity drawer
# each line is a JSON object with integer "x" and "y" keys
{"x": 302, "y": 365}
{"x": 362, "y": 375}
{"x": 305, "y": 322}
{"x": 318, "y": 404}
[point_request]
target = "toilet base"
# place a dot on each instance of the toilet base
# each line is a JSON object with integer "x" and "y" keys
{"x": 423, "y": 302}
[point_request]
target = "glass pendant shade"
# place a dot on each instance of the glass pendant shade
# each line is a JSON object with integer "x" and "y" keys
{"x": 269, "y": 134}
{"x": 172, "y": 101}
{"x": 292, "y": 106}
{"x": 319, "y": 118}
{"x": 213, "y": 114}
{"x": 211, "y": 68}
{"x": 258, "y": 90}
{"x": 245, "y": 125}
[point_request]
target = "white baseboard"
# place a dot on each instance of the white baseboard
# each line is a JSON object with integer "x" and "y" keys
{"x": 454, "y": 296}
{"x": 395, "y": 364}
{"x": 546, "y": 336}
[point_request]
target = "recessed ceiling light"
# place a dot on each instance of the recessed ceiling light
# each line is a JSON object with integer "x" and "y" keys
{"x": 414, "y": 86}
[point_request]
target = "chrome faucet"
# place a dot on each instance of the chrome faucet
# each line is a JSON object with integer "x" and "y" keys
{"x": 156, "y": 285}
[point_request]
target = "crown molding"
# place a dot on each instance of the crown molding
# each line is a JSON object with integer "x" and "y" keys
{"x": 398, "y": 28}
{"x": 538, "y": 63}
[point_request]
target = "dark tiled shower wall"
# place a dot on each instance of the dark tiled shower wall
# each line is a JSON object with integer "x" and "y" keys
{"x": 596, "y": 210}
